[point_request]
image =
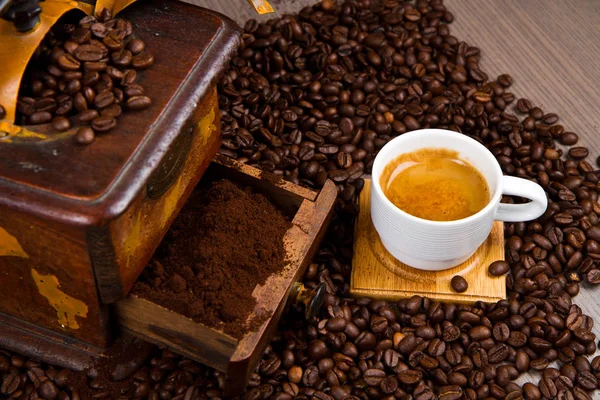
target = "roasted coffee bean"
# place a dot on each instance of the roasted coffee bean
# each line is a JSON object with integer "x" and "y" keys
{"x": 524, "y": 105}
{"x": 87, "y": 115}
{"x": 48, "y": 389}
{"x": 2, "y": 112}
{"x": 68, "y": 62}
{"x": 103, "y": 123}
{"x": 451, "y": 392}
{"x": 410, "y": 377}
{"x": 114, "y": 110}
{"x": 10, "y": 383}
{"x": 114, "y": 73}
{"x": 531, "y": 392}
{"x": 138, "y": 103}
{"x": 317, "y": 349}
{"x": 578, "y": 152}
{"x": 129, "y": 77}
{"x": 459, "y": 284}
{"x": 40, "y": 117}
{"x": 114, "y": 39}
{"x": 587, "y": 380}
{"x": 122, "y": 58}
{"x": 373, "y": 377}
{"x": 88, "y": 52}
{"x": 142, "y": 61}
{"x": 499, "y": 268}
{"x": 104, "y": 99}
{"x": 134, "y": 90}
{"x": 136, "y": 46}
{"x": 60, "y": 124}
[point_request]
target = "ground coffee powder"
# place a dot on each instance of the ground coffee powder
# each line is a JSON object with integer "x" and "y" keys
{"x": 226, "y": 241}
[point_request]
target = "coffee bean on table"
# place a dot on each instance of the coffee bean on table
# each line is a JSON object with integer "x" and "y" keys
{"x": 459, "y": 284}
{"x": 524, "y": 105}
{"x": 499, "y": 268}
{"x": 569, "y": 138}
{"x": 578, "y": 152}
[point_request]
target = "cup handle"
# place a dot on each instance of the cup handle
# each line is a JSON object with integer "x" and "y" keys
{"x": 521, "y": 212}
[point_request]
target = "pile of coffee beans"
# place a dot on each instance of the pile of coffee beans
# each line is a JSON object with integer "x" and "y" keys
{"x": 314, "y": 96}
{"x": 85, "y": 75}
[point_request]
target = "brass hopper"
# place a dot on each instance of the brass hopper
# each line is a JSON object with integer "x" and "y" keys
{"x": 23, "y": 26}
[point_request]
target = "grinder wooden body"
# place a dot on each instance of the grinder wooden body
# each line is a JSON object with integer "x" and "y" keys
{"x": 79, "y": 223}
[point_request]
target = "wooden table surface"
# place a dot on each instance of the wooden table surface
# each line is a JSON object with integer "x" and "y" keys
{"x": 551, "y": 48}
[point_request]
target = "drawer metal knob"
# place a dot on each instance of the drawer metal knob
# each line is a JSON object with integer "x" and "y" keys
{"x": 311, "y": 298}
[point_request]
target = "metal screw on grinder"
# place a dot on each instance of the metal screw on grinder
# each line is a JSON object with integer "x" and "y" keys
{"x": 311, "y": 298}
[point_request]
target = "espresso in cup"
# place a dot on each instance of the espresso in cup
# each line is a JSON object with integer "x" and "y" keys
{"x": 435, "y": 184}
{"x": 432, "y": 211}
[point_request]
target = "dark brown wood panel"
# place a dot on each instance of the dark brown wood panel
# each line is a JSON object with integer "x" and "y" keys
{"x": 46, "y": 278}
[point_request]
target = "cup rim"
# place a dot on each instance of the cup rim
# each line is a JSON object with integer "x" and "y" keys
{"x": 445, "y": 133}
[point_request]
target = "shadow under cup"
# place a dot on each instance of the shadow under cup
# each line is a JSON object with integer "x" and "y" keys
{"x": 425, "y": 244}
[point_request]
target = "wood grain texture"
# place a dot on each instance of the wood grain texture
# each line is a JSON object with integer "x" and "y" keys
{"x": 550, "y": 47}
{"x": 376, "y": 273}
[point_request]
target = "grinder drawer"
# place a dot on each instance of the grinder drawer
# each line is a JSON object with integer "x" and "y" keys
{"x": 238, "y": 358}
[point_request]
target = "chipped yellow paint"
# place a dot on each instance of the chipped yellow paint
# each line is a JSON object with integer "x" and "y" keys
{"x": 171, "y": 199}
{"x": 16, "y": 49}
{"x": 133, "y": 240}
{"x": 67, "y": 307}
{"x": 262, "y": 6}
{"x": 9, "y": 131}
{"x": 115, "y": 6}
{"x": 10, "y": 246}
{"x": 205, "y": 127}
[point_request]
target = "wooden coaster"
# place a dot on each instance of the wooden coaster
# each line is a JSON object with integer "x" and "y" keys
{"x": 376, "y": 273}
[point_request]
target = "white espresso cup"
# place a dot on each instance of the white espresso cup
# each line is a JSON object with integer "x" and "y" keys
{"x": 438, "y": 245}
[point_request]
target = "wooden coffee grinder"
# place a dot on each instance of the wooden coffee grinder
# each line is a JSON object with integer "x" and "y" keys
{"x": 79, "y": 223}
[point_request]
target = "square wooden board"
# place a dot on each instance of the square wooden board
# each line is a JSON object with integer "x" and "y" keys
{"x": 376, "y": 273}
